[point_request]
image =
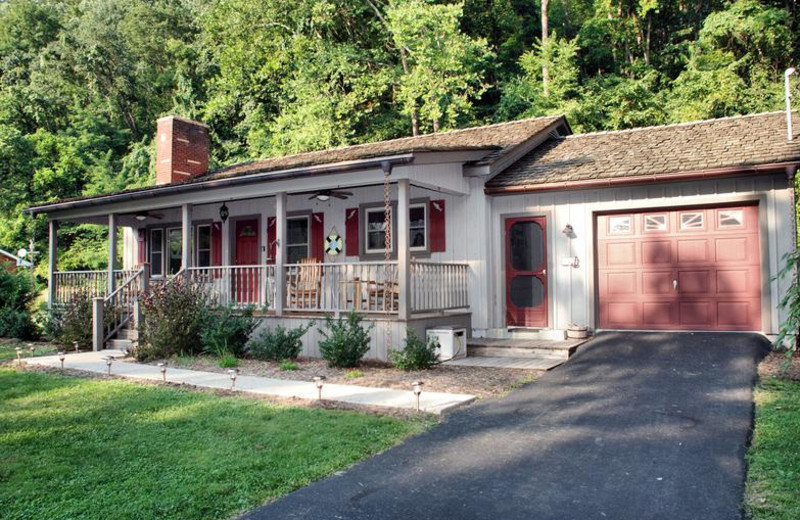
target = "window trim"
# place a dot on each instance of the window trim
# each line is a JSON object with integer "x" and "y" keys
{"x": 307, "y": 218}
{"x": 393, "y": 223}
{"x": 371, "y": 254}
{"x": 426, "y": 227}
{"x": 197, "y": 249}
{"x": 150, "y": 243}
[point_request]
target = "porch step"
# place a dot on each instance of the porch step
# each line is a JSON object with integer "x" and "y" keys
{"x": 128, "y": 334}
{"x": 119, "y": 344}
{"x": 522, "y": 348}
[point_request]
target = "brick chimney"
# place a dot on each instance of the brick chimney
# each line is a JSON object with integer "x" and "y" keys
{"x": 181, "y": 149}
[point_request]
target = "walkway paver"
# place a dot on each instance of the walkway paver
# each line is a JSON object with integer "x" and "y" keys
{"x": 636, "y": 426}
{"x": 431, "y": 402}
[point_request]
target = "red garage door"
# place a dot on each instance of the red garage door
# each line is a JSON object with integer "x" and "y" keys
{"x": 689, "y": 269}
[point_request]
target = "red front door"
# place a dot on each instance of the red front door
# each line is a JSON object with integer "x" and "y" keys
{"x": 526, "y": 272}
{"x": 246, "y": 284}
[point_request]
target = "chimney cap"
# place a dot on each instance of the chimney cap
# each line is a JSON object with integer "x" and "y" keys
{"x": 182, "y": 119}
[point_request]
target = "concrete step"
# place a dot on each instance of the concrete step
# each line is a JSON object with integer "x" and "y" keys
{"x": 522, "y": 348}
{"x": 119, "y": 344}
{"x": 128, "y": 334}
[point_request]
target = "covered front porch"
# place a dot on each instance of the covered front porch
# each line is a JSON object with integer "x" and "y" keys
{"x": 383, "y": 249}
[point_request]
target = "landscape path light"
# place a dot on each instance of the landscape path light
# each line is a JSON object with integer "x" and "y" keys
{"x": 319, "y": 381}
{"x": 416, "y": 386}
{"x": 61, "y": 357}
{"x": 77, "y": 347}
{"x": 19, "y": 355}
{"x": 234, "y": 372}
{"x": 31, "y": 348}
{"x": 109, "y": 360}
{"x": 163, "y": 368}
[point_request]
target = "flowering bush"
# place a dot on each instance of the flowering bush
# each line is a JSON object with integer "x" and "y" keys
{"x": 72, "y": 322}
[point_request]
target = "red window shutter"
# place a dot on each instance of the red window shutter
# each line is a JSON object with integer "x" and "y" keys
{"x": 318, "y": 236}
{"x": 216, "y": 243}
{"x": 142, "y": 246}
{"x": 272, "y": 223}
{"x": 437, "y": 224}
{"x": 351, "y": 232}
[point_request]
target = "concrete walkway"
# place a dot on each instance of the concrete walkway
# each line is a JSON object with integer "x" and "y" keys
{"x": 431, "y": 402}
{"x": 649, "y": 426}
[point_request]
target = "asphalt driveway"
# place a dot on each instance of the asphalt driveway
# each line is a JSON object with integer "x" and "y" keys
{"x": 636, "y": 426}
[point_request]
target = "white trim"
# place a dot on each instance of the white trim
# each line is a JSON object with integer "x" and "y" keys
{"x": 425, "y": 230}
{"x": 381, "y": 210}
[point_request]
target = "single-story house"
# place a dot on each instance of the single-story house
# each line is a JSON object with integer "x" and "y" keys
{"x": 507, "y": 229}
{"x": 10, "y": 261}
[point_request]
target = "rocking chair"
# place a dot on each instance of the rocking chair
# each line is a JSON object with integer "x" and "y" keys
{"x": 304, "y": 285}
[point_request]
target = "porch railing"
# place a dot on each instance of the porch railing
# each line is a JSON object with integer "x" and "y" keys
{"x": 69, "y": 284}
{"x": 437, "y": 286}
{"x": 240, "y": 285}
{"x": 369, "y": 287}
{"x": 118, "y": 306}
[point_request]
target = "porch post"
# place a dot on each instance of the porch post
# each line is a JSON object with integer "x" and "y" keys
{"x": 280, "y": 252}
{"x": 403, "y": 254}
{"x": 186, "y": 233}
{"x": 98, "y": 331}
{"x": 52, "y": 264}
{"x": 112, "y": 251}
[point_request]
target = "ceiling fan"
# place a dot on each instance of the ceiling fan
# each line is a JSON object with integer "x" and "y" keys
{"x": 141, "y": 216}
{"x": 324, "y": 195}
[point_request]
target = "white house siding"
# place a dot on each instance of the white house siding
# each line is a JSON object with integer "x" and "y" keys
{"x": 572, "y": 290}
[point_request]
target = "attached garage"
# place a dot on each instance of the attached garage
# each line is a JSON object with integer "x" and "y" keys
{"x": 685, "y": 269}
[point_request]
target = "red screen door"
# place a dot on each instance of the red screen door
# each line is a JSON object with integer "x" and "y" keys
{"x": 526, "y": 272}
{"x": 246, "y": 283}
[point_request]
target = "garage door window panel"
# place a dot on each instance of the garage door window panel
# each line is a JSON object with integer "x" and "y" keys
{"x": 730, "y": 219}
{"x": 656, "y": 224}
{"x": 693, "y": 221}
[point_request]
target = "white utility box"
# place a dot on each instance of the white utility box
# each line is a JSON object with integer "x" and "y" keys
{"x": 452, "y": 341}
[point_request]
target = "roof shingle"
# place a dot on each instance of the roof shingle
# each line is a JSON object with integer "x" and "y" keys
{"x": 731, "y": 142}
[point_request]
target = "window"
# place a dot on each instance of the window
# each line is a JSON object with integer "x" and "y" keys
{"x": 175, "y": 244}
{"x": 729, "y": 218}
{"x": 376, "y": 231}
{"x": 418, "y": 225}
{"x": 157, "y": 252}
{"x": 692, "y": 220}
{"x": 297, "y": 234}
{"x": 655, "y": 222}
{"x": 204, "y": 246}
{"x": 619, "y": 224}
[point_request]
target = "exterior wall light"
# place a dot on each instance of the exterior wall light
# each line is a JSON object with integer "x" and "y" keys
{"x": 416, "y": 386}
{"x": 163, "y": 368}
{"x": 319, "y": 381}
{"x": 223, "y": 212}
{"x": 234, "y": 373}
{"x": 61, "y": 357}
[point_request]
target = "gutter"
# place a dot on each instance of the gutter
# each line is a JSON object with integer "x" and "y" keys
{"x": 643, "y": 179}
{"x": 171, "y": 189}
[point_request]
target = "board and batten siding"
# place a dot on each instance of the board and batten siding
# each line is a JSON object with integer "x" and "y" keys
{"x": 572, "y": 289}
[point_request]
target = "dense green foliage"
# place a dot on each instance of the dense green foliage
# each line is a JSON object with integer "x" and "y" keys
{"x": 94, "y": 449}
{"x": 279, "y": 343}
{"x": 82, "y": 82}
{"x": 16, "y": 296}
{"x": 226, "y": 330}
{"x": 773, "y": 459}
{"x": 790, "y": 303}
{"x": 73, "y": 322}
{"x": 175, "y": 314}
{"x": 346, "y": 340}
{"x": 416, "y": 354}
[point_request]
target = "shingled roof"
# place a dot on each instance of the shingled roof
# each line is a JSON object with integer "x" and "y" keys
{"x": 744, "y": 142}
{"x": 498, "y": 140}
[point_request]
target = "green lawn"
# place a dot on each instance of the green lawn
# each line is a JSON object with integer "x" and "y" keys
{"x": 8, "y": 350}
{"x": 773, "y": 480}
{"x": 91, "y": 448}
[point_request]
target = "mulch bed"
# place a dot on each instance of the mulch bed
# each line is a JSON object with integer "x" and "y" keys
{"x": 777, "y": 364}
{"x": 478, "y": 381}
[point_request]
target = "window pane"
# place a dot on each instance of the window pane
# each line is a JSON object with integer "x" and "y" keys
{"x": 417, "y": 217}
{"x": 619, "y": 224}
{"x": 203, "y": 237}
{"x": 376, "y": 221}
{"x": 692, "y": 220}
{"x": 297, "y": 231}
{"x": 156, "y": 239}
{"x": 175, "y": 250}
{"x": 375, "y": 241}
{"x": 527, "y": 291}
{"x": 527, "y": 246}
{"x": 417, "y": 238}
{"x": 296, "y": 253}
{"x": 731, "y": 218}
{"x": 204, "y": 259}
{"x": 655, "y": 223}
{"x": 156, "y": 252}
{"x": 156, "y": 260}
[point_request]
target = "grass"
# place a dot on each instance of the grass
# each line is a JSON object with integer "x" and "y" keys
{"x": 98, "y": 449}
{"x": 354, "y": 374}
{"x": 773, "y": 478}
{"x": 8, "y": 350}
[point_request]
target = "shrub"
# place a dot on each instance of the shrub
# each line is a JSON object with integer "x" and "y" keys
{"x": 173, "y": 320}
{"x": 346, "y": 341}
{"x": 288, "y": 366}
{"x": 789, "y": 329}
{"x": 226, "y": 330}
{"x": 228, "y": 361}
{"x": 278, "y": 343}
{"x": 416, "y": 354}
{"x": 16, "y": 296}
{"x": 72, "y": 322}
{"x": 354, "y": 374}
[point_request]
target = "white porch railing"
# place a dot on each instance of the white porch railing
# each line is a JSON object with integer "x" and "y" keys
{"x": 118, "y": 306}
{"x": 437, "y": 286}
{"x": 239, "y": 285}
{"x": 369, "y": 287}
{"x": 69, "y": 284}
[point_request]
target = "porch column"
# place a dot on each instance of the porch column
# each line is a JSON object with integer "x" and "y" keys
{"x": 112, "y": 251}
{"x": 186, "y": 236}
{"x": 280, "y": 252}
{"x": 403, "y": 254}
{"x": 52, "y": 264}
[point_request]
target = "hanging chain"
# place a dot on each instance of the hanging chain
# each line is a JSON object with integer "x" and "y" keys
{"x": 387, "y": 216}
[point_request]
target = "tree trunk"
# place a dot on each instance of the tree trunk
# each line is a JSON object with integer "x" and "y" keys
{"x": 545, "y": 29}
